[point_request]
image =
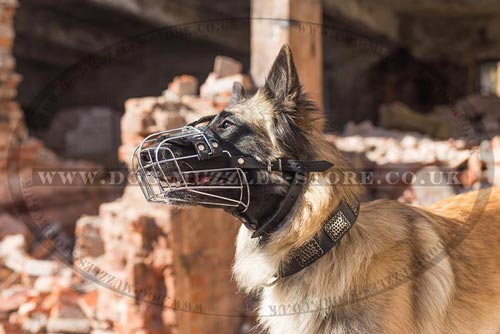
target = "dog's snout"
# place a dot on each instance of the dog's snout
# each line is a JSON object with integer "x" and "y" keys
{"x": 166, "y": 151}
{"x": 147, "y": 157}
{"x": 180, "y": 142}
{"x": 157, "y": 153}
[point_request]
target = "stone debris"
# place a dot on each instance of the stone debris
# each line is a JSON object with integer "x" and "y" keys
{"x": 36, "y": 296}
{"x": 184, "y": 85}
{"x": 68, "y": 325}
{"x": 226, "y": 66}
{"x": 36, "y": 289}
{"x": 383, "y": 146}
{"x": 219, "y": 84}
{"x": 221, "y": 88}
{"x": 26, "y": 158}
{"x": 88, "y": 241}
{"x": 466, "y": 163}
{"x": 426, "y": 195}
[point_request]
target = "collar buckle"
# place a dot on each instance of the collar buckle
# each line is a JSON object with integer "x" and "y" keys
{"x": 271, "y": 166}
{"x": 272, "y": 281}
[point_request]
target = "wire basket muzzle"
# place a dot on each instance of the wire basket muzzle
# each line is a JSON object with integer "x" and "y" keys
{"x": 188, "y": 166}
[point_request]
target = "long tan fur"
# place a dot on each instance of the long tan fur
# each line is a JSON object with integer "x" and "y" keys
{"x": 400, "y": 269}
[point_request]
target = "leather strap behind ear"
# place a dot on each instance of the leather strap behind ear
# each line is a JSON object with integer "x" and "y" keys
{"x": 281, "y": 165}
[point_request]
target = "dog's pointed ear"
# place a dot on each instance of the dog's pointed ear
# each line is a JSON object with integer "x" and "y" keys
{"x": 238, "y": 93}
{"x": 282, "y": 82}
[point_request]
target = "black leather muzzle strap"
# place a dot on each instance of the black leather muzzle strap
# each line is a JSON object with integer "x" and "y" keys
{"x": 281, "y": 165}
{"x": 295, "y": 168}
{"x": 284, "y": 208}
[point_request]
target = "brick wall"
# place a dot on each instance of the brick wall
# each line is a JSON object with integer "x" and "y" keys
{"x": 177, "y": 261}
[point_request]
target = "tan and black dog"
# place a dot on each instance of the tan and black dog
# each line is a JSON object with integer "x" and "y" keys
{"x": 388, "y": 268}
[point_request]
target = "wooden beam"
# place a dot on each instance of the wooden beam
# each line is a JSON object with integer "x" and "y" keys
{"x": 498, "y": 78}
{"x": 293, "y": 22}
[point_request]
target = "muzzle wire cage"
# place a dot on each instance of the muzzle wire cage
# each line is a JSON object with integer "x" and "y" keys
{"x": 168, "y": 176}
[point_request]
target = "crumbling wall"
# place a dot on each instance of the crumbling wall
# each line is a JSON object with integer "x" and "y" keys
{"x": 177, "y": 261}
{"x": 33, "y": 284}
{"x": 10, "y": 113}
{"x": 20, "y": 153}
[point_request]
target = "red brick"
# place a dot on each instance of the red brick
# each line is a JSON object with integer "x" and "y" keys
{"x": 184, "y": 85}
{"x": 226, "y": 66}
{"x": 214, "y": 86}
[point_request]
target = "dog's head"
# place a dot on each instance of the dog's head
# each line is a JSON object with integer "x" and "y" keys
{"x": 277, "y": 122}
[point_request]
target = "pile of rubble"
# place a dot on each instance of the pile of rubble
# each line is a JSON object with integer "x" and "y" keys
{"x": 37, "y": 296}
{"x": 137, "y": 267}
{"x": 37, "y": 293}
{"x": 382, "y": 146}
{"x": 10, "y": 113}
{"x": 390, "y": 153}
{"x": 473, "y": 117}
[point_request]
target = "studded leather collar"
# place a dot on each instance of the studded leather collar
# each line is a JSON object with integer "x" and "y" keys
{"x": 334, "y": 228}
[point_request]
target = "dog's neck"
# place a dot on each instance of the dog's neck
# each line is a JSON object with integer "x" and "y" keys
{"x": 271, "y": 210}
{"x": 320, "y": 197}
{"x": 267, "y": 217}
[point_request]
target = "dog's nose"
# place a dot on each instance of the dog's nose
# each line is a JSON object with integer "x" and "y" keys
{"x": 167, "y": 151}
{"x": 180, "y": 142}
{"x": 147, "y": 156}
{"x": 155, "y": 154}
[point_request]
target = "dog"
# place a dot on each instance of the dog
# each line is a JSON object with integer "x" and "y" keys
{"x": 325, "y": 263}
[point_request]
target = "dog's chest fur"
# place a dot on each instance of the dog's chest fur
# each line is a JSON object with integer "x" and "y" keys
{"x": 294, "y": 314}
{"x": 301, "y": 305}
{"x": 457, "y": 294}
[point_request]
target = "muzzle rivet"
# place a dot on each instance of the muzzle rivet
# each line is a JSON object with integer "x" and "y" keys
{"x": 201, "y": 147}
{"x": 241, "y": 161}
{"x": 215, "y": 144}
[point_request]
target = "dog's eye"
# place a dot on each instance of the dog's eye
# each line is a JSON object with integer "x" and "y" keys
{"x": 226, "y": 124}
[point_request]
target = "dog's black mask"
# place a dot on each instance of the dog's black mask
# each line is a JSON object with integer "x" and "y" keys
{"x": 194, "y": 165}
